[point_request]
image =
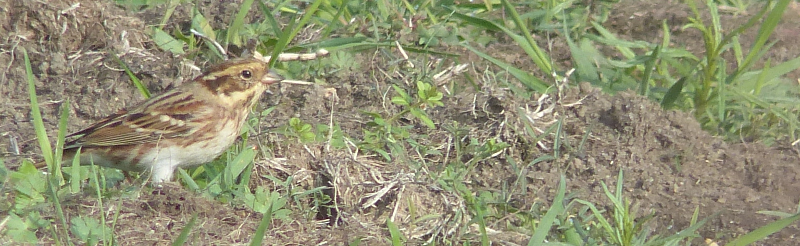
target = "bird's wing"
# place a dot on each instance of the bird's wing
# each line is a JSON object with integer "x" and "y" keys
{"x": 167, "y": 116}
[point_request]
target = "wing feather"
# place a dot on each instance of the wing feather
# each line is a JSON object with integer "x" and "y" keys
{"x": 167, "y": 116}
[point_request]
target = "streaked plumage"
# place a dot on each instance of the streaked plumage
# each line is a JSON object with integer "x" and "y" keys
{"x": 187, "y": 126}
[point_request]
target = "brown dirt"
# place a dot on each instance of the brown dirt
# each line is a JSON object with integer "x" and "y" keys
{"x": 670, "y": 165}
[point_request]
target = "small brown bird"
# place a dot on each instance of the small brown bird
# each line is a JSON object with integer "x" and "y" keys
{"x": 186, "y": 126}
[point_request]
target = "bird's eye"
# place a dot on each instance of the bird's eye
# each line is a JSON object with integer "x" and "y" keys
{"x": 246, "y": 74}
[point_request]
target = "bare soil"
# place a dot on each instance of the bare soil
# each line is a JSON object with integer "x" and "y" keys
{"x": 671, "y": 165}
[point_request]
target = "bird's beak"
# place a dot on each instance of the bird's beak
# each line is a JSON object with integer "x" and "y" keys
{"x": 271, "y": 78}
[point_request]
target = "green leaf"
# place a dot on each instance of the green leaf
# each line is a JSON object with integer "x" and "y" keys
{"x": 87, "y": 229}
{"x": 268, "y": 110}
{"x": 28, "y": 185}
{"x": 402, "y": 93}
{"x": 305, "y": 128}
{"x": 201, "y": 25}
{"x": 235, "y": 167}
{"x": 167, "y": 42}
{"x": 18, "y": 230}
{"x": 673, "y": 93}
{"x": 423, "y": 117}
{"x": 586, "y": 57}
{"x": 434, "y": 95}
{"x": 400, "y": 101}
{"x": 422, "y": 89}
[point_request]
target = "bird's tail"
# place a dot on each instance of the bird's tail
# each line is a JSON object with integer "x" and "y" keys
{"x": 65, "y": 157}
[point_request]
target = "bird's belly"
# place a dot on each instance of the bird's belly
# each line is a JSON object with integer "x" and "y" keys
{"x": 192, "y": 151}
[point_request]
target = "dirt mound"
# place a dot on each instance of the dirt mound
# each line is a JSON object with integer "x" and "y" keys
{"x": 672, "y": 166}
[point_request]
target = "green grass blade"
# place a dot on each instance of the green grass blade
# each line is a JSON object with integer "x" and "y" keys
{"x": 689, "y": 232}
{"x": 549, "y": 219}
{"x": 585, "y": 56}
{"x": 333, "y": 21}
{"x": 601, "y": 221}
{"x": 62, "y": 132}
{"x": 36, "y": 114}
{"x": 258, "y": 237}
{"x": 539, "y": 57}
{"x": 355, "y": 242}
{"x": 766, "y": 29}
{"x": 525, "y": 78}
{"x": 478, "y": 22}
{"x": 136, "y": 82}
{"x": 525, "y": 41}
{"x": 557, "y": 138}
{"x": 44, "y": 143}
{"x": 184, "y": 236}
{"x": 99, "y": 194}
{"x": 623, "y": 46}
{"x": 394, "y": 232}
{"x": 673, "y": 93}
{"x": 232, "y": 35}
{"x": 117, "y": 213}
{"x": 282, "y": 42}
{"x": 188, "y": 179}
{"x": 267, "y": 13}
{"x": 53, "y": 192}
{"x": 294, "y": 29}
{"x": 721, "y": 96}
{"x": 172, "y": 5}
{"x": 75, "y": 174}
{"x": 782, "y": 69}
{"x": 336, "y": 42}
{"x": 235, "y": 167}
{"x": 4, "y": 179}
{"x": 644, "y": 85}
